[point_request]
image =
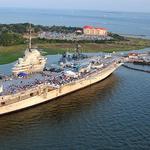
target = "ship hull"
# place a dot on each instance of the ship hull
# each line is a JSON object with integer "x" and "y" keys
{"x": 64, "y": 90}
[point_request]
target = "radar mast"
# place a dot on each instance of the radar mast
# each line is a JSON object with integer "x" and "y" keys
{"x": 30, "y": 37}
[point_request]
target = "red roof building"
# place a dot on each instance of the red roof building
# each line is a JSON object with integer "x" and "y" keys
{"x": 90, "y": 30}
{"x": 87, "y": 27}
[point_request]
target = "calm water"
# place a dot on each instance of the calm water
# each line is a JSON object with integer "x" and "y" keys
{"x": 113, "y": 114}
{"x": 120, "y": 22}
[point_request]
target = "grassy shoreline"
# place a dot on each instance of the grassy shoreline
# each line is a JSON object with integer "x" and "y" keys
{"x": 11, "y": 53}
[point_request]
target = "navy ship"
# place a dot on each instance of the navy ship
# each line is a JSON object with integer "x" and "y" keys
{"x": 32, "y": 83}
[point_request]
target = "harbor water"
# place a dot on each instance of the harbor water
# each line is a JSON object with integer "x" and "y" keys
{"x": 119, "y": 22}
{"x": 112, "y": 114}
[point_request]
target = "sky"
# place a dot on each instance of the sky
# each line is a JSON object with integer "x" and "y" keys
{"x": 108, "y": 5}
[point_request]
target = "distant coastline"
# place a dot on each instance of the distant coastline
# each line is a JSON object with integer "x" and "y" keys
{"x": 135, "y": 23}
{"x": 13, "y": 41}
{"x": 135, "y": 36}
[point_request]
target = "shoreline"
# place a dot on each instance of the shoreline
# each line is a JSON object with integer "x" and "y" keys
{"x": 48, "y": 54}
{"x": 11, "y": 55}
{"x": 13, "y": 42}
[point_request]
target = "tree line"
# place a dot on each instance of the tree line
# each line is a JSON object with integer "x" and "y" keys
{"x": 22, "y": 28}
{"x": 12, "y": 34}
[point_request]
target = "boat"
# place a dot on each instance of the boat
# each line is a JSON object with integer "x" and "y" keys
{"x": 37, "y": 86}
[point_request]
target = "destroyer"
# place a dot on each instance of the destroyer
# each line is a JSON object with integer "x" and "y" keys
{"x": 31, "y": 85}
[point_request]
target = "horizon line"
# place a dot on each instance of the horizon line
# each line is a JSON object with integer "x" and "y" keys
{"x": 38, "y": 8}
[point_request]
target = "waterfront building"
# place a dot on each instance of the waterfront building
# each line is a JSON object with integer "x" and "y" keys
{"x": 89, "y": 30}
{"x": 133, "y": 55}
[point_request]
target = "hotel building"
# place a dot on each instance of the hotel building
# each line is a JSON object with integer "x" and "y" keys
{"x": 89, "y": 30}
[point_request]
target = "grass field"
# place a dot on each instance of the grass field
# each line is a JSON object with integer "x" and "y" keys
{"x": 11, "y": 53}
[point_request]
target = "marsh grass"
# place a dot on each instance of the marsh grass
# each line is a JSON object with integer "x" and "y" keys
{"x": 11, "y": 53}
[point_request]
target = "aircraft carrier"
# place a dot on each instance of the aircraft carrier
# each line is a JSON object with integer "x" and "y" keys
{"x": 32, "y": 83}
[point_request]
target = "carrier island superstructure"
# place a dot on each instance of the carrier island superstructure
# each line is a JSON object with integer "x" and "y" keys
{"x": 33, "y": 83}
{"x": 32, "y": 61}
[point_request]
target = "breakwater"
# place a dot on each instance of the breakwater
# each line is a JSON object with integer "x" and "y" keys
{"x": 141, "y": 63}
{"x": 142, "y": 70}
